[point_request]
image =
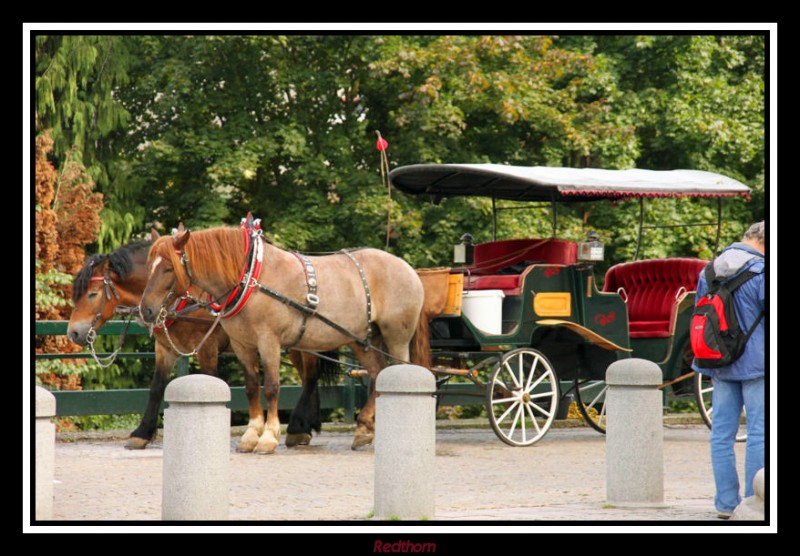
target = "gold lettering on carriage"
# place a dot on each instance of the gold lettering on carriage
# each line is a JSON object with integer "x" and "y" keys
{"x": 404, "y": 547}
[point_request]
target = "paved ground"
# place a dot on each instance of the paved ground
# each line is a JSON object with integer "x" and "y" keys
{"x": 478, "y": 478}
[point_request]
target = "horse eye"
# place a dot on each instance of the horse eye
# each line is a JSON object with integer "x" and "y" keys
{"x": 92, "y": 295}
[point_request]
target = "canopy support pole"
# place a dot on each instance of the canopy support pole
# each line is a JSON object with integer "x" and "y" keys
{"x": 719, "y": 225}
{"x": 641, "y": 228}
{"x": 494, "y": 219}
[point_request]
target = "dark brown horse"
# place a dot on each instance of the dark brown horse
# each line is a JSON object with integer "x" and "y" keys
{"x": 365, "y": 299}
{"x": 118, "y": 279}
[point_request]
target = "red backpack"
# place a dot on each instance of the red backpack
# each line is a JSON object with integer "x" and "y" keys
{"x": 716, "y": 337}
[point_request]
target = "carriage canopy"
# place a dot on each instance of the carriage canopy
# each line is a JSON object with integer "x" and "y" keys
{"x": 544, "y": 183}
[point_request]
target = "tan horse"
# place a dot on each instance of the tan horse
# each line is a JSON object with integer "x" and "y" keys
{"x": 107, "y": 281}
{"x": 367, "y": 299}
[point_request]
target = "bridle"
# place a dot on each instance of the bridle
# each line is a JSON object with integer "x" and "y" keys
{"x": 109, "y": 288}
{"x": 237, "y": 296}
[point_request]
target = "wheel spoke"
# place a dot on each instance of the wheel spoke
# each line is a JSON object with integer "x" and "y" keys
{"x": 533, "y": 418}
{"x": 514, "y": 422}
{"x": 502, "y": 384}
{"x": 541, "y": 410}
{"x": 511, "y": 372}
{"x": 601, "y": 417}
{"x": 507, "y": 411}
{"x": 505, "y": 400}
{"x": 532, "y": 374}
{"x": 596, "y": 398}
{"x": 538, "y": 381}
{"x": 541, "y": 395}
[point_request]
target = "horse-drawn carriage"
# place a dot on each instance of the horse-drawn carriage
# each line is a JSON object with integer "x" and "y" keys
{"x": 523, "y": 318}
{"x": 531, "y": 313}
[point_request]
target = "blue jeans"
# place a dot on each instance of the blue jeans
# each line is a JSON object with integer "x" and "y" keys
{"x": 727, "y": 401}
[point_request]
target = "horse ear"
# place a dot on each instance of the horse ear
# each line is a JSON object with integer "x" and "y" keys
{"x": 180, "y": 239}
{"x": 154, "y": 235}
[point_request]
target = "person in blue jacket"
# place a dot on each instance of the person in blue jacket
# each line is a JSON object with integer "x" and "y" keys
{"x": 740, "y": 384}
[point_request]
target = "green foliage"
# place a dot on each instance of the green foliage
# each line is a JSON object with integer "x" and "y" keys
{"x": 285, "y": 127}
{"x": 107, "y": 422}
{"x": 47, "y": 288}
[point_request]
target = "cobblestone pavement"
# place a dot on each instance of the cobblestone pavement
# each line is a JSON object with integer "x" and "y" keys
{"x": 478, "y": 478}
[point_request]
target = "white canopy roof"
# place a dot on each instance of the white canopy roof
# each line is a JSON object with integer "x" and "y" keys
{"x": 544, "y": 183}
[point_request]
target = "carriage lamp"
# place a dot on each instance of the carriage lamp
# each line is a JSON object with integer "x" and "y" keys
{"x": 462, "y": 253}
{"x": 592, "y": 249}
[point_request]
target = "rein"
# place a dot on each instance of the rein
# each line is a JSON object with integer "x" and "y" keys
{"x": 91, "y": 335}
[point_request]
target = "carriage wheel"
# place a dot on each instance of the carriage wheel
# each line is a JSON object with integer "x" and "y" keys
{"x": 703, "y": 389}
{"x": 590, "y": 397}
{"x": 522, "y": 398}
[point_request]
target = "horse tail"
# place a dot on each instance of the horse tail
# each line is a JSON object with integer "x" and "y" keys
{"x": 328, "y": 372}
{"x": 420, "y": 345}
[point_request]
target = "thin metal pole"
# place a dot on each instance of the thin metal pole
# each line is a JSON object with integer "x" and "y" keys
{"x": 641, "y": 225}
{"x": 494, "y": 220}
{"x": 719, "y": 225}
{"x": 555, "y": 217}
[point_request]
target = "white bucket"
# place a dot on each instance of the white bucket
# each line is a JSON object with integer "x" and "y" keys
{"x": 484, "y": 309}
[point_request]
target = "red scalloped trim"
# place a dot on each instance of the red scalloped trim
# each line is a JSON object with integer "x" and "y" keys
{"x": 617, "y": 194}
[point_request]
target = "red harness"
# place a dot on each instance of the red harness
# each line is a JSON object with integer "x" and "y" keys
{"x": 250, "y": 273}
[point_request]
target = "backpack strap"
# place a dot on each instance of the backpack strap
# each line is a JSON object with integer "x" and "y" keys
{"x": 732, "y": 285}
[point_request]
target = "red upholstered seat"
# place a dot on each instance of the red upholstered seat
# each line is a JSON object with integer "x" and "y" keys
{"x": 652, "y": 288}
{"x": 491, "y": 257}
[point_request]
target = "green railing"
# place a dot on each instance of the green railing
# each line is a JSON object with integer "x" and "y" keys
{"x": 350, "y": 395}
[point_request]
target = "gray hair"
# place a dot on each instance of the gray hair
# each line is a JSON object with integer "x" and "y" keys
{"x": 755, "y": 232}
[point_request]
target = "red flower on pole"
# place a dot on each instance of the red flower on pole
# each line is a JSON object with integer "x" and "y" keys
{"x": 382, "y": 144}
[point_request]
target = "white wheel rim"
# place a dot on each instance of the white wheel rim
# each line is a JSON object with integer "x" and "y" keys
{"x": 521, "y": 415}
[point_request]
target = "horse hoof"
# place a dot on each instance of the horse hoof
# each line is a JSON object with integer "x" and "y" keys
{"x": 245, "y": 447}
{"x": 248, "y": 442}
{"x": 266, "y": 447}
{"x": 136, "y": 443}
{"x": 298, "y": 439}
{"x": 363, "y": 439}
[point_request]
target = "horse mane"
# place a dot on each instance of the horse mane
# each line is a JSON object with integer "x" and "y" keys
{"x": 120, "y": 261}
{"x": 212, "y": 252}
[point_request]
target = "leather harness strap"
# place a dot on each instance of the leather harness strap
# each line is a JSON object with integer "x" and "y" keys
{"x": 312, "y": 299}
{"x": 366, "y": 291}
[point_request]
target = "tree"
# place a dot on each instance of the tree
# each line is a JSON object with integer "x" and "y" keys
{"x": 284, "y": 127}
{"x": 77, "y": 79}
{"x": 67, "y": 218}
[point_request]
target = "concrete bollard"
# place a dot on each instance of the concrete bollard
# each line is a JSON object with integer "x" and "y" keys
{"x": 45, "y": 452}
{"x": 752, "y": 507}
{"x": 634, "y": 434}
{"x": 197, "y": 443}
{"x": 405, "y": 443}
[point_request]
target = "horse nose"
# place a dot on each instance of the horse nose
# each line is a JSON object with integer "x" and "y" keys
{"x": 147, "y": 314}
{"x": 77, "y": 334}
